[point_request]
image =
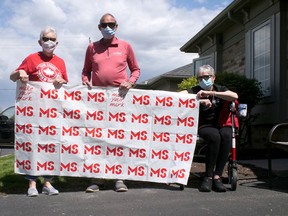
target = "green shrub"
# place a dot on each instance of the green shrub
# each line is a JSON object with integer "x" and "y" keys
{"x": 188, "y": 83}
{"x": 249, "y": 90}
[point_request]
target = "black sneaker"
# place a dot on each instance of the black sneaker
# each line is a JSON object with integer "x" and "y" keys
{"x": 218, "y": 185}
{"x": 206, "y": 185}
{"x": 120, "y": 186}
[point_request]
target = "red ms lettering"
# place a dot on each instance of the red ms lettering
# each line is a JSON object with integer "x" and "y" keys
{"x": 70, "y": 167}
{"x": 96, "y": 97}
{"x": 72, "y": 114}
{"x": 92, "y": 168}
{"x": 185, "y": 138}
{"x": 142, "y": 100}
{"x": 70, "y": 149}
{"x": 93, "y": 132}
{"x": 183, "y": 156}
{"x": 161, "y": 154}
{"x": 49, "y": 130}
{"x": 118, "y": 117}
{"x": 162, "y": 137}
{"x": 160, "y": 173}
{"x": 164, "y": 120}
{"x": 139, "y": 135}
{"x": 50, "y": 93}
{"x": 117, "y": 134}
{"x": 25, "y": 111}
{"x": 188, "y": 121}
{"x": 187, "y": 103}
{"x": 142, "y": 118}
{"x": 114, "y": 169}
{"x": 97, "y": 115}
{"x": 45, "y": 166}
{"x": 93, "y": 150}
{"x": 25, "y": 146}
{"x": 25, "y": 164}
{"x": 138, "y": 153}
{"x": 136, "y": 171}
{"x": 47, "y": 148}
{"x": 49, "y": 113}
{"x": 25, "y": 129}
{"x": 74, "y": 95}
{"x": 165, "y": 101}
{"x": 72, "y": 131}
{"x": 117, "y": 151}
{"x": 180, "y": 173}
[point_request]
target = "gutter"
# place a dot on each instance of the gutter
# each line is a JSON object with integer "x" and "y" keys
{"x": 220, "y": 18}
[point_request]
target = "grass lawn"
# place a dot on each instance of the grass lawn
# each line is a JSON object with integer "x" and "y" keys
{"x": 11, "y": 183}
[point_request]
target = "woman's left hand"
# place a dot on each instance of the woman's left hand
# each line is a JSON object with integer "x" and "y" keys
{"x": 204, "y": 94}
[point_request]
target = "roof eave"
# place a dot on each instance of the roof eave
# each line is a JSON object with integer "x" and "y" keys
{"x": 211, "y": 26}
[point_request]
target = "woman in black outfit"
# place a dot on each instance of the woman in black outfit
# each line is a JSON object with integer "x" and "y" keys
{"x": 212, "y": 98}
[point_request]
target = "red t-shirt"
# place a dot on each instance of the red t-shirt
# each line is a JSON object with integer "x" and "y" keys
{"x": 42, "y": 68}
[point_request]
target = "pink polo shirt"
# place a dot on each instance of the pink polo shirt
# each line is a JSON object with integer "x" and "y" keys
{"x": 107, "y": 65}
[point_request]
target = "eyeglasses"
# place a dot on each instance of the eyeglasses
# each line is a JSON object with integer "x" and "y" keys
{"x": 47, "y": 39}
{"x": 111, "y": 25}
{"x": 206, "y": 77}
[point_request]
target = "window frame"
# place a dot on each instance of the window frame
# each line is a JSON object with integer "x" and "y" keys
{"x": 204, "y": 60}
{"x": 250, "y": 53}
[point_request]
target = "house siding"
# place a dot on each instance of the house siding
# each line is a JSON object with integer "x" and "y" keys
{"x": 234, "y": 58}
{"x": 232, "y": 52}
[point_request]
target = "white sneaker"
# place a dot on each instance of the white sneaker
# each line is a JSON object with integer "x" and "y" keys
{"x": 32, "y": 192}
{"x": 50, "y": 191}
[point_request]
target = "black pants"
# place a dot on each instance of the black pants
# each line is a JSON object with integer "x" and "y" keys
{"x": 219, "y": 141}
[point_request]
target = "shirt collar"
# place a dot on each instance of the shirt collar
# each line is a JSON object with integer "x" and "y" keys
{"x": 114, "y": 42}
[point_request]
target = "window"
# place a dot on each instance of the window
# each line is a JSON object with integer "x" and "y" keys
{"x": 261, "y": 56}
{"x": 201, "y": 61}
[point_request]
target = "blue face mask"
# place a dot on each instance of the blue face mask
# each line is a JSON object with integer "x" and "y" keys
{"x": 206, "y": 84}
{"x": 107, "y": 32}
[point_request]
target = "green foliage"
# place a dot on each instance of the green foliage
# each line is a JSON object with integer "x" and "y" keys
{"x": 249, "y": 90}
{"x": 8, "y": 180}
{"x": 188, "y": 83}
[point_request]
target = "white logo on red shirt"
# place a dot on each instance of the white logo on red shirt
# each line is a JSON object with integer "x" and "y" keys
{"x": 47, "y": 72}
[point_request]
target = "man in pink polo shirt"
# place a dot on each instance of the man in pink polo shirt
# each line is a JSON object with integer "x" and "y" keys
{"x": 106, "y": 64}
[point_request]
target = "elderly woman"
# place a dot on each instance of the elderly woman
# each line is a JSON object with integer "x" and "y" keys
{"x": 42, "y": 66}
{"x": 212, "y": 98}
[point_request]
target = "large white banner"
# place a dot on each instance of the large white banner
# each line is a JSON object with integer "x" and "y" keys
{"x": 103, "y": 133}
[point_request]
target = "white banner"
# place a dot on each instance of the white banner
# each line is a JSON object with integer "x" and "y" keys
{"x": 73, "y": 131}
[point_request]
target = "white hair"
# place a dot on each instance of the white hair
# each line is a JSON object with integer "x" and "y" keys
{"x": 206, "y": 68}
{"x": 47, "y": 29}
